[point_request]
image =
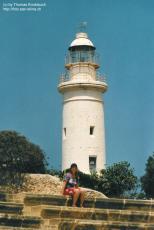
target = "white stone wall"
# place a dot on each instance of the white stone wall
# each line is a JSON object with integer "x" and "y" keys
{"x": 83, "y": 108}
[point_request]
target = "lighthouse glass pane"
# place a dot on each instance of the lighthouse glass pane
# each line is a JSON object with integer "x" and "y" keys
{"x": 92, "y": 163}
{"x": 81, "y": 56}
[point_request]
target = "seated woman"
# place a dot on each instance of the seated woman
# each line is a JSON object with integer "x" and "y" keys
{"x": 70, "y": 185}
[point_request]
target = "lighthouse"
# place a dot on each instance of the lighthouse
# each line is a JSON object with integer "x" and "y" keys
{"x": 82, "y": 88}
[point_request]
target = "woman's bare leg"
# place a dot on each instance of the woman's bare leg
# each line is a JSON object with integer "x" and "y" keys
{"x": 75, "y": 197}
{"x": 82, "y": 197}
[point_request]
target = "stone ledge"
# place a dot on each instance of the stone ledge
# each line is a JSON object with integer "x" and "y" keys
{"x": 96, "y": 214}
{"x": 76, "y": 224}
{"x": 13, "y": 220}
{"x": 113, "y": 203}
{"x": 8, "y": 207}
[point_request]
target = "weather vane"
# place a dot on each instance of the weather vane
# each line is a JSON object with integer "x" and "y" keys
{"x": 82, "y": 27}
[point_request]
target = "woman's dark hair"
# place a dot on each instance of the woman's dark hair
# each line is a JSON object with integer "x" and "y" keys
{"x": 73, "y": 165}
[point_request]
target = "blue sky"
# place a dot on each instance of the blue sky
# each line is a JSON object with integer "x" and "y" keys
{"x": 32, "y": 50}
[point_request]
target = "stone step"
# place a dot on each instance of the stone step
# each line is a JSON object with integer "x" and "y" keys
{"x": 16, "y": 228}
{"x": 12, "y": 197}
{"x": 93, "y": 225}
{"x": 88, "y": 225}
{"x": 13, "y": 220}
{"x": 95, "y": 214}
{"x": 112, "y": 203}
{"x": 69, "y": 224}
{"x": 9, "y": 207}
{"x": 122, "y": 204}
{"x": 51, "y": 227}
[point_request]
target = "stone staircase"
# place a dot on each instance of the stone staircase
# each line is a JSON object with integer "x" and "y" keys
{"x": 48, "y": 212}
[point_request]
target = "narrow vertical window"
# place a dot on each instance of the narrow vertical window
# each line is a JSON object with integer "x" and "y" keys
{"x": 92, "y": 130}
{"x": 64, "y": 132}
{"x": 92, "y": 163}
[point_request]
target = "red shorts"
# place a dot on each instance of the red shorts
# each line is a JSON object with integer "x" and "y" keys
{"x": 70, "y": 191}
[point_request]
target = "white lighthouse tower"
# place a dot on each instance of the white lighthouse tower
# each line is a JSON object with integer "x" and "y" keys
{"x": 83, "y": 133}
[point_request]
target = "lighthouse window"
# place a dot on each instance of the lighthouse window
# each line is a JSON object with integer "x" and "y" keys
{"x": 64, "y": 132}
{"x": 92, "y": 130}
{"x": 92, "y": 163}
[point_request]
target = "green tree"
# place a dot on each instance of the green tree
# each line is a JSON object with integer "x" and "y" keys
{"x": 147, "y": 180}
{"x": 117, "y": 180}
{"x": 89, "y": 180}
{"x": 18, "y": 155}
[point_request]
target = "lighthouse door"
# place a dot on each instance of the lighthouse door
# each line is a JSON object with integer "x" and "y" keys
{"x": 92, "y": 163}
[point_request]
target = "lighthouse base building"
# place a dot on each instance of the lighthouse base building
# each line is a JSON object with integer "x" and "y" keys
{"x": 83, "y": 132}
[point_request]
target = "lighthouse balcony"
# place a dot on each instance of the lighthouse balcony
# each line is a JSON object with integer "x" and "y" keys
{"x": 82, "y": 80}
{"x": 82, "y": 77}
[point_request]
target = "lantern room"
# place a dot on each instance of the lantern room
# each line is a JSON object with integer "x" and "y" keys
{"x": 81, "y": 50}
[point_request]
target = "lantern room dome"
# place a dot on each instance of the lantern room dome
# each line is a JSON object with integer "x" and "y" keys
{"x": 81, "y": 40}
